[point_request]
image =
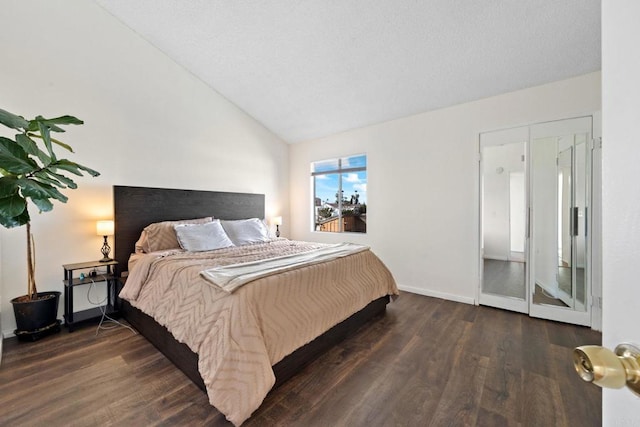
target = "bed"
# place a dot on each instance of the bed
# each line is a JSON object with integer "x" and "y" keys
{"x": 136, "y": 207}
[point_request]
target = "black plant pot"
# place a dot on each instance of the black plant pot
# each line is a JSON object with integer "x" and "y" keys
{"x": 38, "y": 317}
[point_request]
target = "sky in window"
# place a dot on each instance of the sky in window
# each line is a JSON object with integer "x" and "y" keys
{"x": 327, "y": 186}
{"x": 331, "y": 165}
{"x": 352, "y": 182}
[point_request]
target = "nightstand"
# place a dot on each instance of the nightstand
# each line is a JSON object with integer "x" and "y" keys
{"x": 71, "y": 318}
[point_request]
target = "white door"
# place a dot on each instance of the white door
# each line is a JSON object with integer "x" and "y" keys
{"x": 503, "y": 192}
{"x": 620, "y": 194}
{"x": 560, "y": 202}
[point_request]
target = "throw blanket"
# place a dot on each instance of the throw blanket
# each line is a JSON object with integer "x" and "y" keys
{"x": 239, "y": 336}
{"x": 231, "y": 277}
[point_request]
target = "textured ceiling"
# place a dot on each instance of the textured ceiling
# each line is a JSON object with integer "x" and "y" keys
{"x": 307, "y": 69}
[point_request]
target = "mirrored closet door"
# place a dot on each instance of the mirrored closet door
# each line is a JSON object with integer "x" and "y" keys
{"x": 535, "y": 244}
{"x": 503, "y": 211}
{"x": 560, "y": 232}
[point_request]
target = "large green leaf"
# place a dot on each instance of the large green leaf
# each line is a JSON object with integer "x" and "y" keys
{"x": 63, "y": 179}
{"x": 40, "y": 190}
{"x": 14, "y": 159}
{"x": 51, "y": 123}
{"x": 15, "y": 221}
{"x": 50, "y": 126}
{"x": 34, "y": 189}
{"x": 12, "y": 206}
{"x": 44, "y": 205}
{"x": 66, "y": 165}
{"x": 42, "y": 177}
{"x": 27, "y": 144}
{"x": 13, "y": 121}
{"x": 64, "y": 120}
{"x": 8, "y": 186}
{"x": 30, "y": 147}
{"x": 73, "y": 167}
{"x": 46, "y": 137}
{"x": 34, "y": 125}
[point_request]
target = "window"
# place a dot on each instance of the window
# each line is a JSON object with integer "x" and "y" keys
{"x": 340, "y": 194}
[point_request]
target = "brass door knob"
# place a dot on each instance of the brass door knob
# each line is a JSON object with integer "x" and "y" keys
{"x": 605, "y": 368}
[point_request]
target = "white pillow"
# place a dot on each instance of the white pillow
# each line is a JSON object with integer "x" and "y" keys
{"x": 246, "y": 231}
{"x": 161, "y": 235}
{"x": 202, "y": 237}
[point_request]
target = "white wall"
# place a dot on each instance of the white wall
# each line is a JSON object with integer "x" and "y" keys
{"x": 431, "y": 243}
{"x": 621, "y": 193}
{"x": 148, "y": 122}
{"x": 498, "y": 164}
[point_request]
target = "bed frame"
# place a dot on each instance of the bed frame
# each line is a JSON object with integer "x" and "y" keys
{"x": 136, "y": 207}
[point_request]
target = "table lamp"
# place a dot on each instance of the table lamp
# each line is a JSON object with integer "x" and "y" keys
{"x": 278, "y": 222}
{"x": 105, "y": 228}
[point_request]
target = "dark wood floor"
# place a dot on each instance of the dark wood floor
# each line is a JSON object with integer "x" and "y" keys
{"x": 426, "y": 362}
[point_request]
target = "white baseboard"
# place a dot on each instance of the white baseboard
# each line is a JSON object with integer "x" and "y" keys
{"x": 436, "y": 294}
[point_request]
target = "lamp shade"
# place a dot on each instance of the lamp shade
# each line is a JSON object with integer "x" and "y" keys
{"x": 104, "y": 228}
{"x": 277, "y": 220}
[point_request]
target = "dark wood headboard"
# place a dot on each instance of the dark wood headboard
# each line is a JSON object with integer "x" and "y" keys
{"x": 136, "y": 207}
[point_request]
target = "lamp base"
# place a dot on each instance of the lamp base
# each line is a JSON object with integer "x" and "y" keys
{"x": 105, "y": 251}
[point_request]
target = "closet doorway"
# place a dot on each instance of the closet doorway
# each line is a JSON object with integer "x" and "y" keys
{"x": 535, "y": 201}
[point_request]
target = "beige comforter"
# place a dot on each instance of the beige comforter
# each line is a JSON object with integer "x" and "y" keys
{"x": 239, "y": 336}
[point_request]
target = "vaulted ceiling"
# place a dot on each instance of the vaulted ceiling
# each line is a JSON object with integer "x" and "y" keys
{"x": 307, "y": 69}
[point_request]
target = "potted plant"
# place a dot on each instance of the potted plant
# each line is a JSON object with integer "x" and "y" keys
{"x": 30, "y": 170}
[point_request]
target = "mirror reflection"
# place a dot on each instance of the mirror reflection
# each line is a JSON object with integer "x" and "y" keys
{"x": 559, "y": 195}
{"x": 504, "y": 219}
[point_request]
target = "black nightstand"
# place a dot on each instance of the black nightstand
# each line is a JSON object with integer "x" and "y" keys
{"x": 72, "y": 319}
